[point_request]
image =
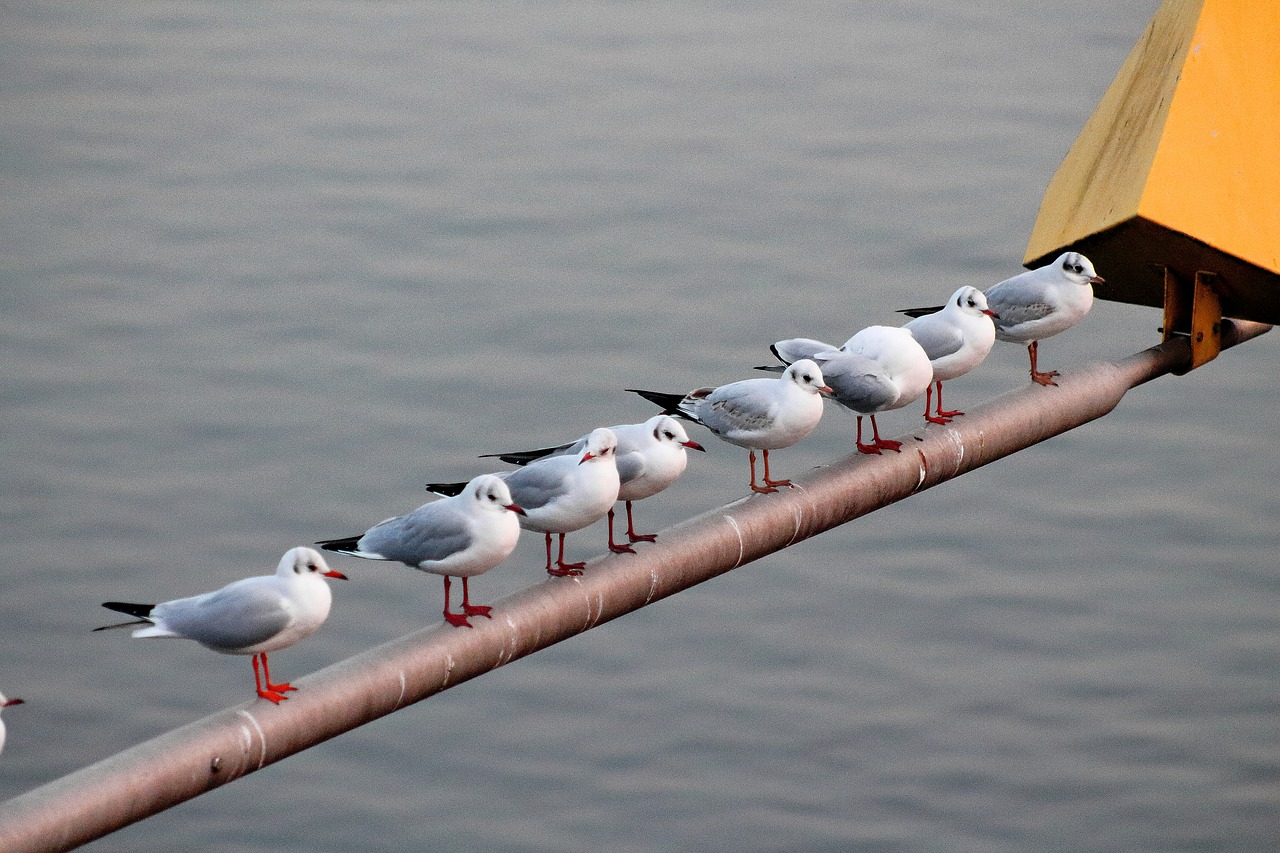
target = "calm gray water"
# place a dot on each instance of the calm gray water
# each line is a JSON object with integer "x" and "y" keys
{"x": 268, "y": 268}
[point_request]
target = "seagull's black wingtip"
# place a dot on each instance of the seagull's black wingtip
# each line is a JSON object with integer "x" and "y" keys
{"x": 346, "y": 545}
{"x": 670, "y": 403}
{"x": 920, "y": 312}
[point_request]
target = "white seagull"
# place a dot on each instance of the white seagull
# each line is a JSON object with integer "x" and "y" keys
{"x": 5, "y": 703}
{"x": 956, "y": 338}
{"x": 562, "y": 494}
{"x": 1040, "y": 303}
{"x": 253, "y": 616}
{"x": 879, "y": 369}
{"x": 758, "y": 414}
{"x": 461, "y": 536}
{"x": 650, "y": 457}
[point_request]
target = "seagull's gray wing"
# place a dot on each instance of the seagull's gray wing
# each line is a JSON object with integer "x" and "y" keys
{"x": 539, "y": 483}
{"x": 743, "y": 406}
{"x": 1020, "y": 300}
{"x": 937, "y": 339}
{"x": 858, "y": 383}
{"x": 242, "y": 614}
{"x": 431, "y": 532}
{"x": 630, "y": 465}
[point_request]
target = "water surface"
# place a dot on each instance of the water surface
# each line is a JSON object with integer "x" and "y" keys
{"x": 268, "y": 269}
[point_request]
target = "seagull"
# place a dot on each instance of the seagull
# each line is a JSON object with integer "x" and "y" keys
{"x": 561, "y": 494}
{"x": 249, "y": 617}
{"x": 956, "y": 338}
{"x": 1040, "y": 303}
{"x": 879, "y": 369}
{"x": 758, "y": 414}
{"x": 460, "y": 536}
{"x": 5, "y": 703}
{"x": 650, "y": 457}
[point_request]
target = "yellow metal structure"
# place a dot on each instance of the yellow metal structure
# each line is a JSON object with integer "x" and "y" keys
{"x": 1173, "y": 186}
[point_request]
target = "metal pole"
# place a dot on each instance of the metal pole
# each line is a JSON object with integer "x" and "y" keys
{"x": 196, "y": 758}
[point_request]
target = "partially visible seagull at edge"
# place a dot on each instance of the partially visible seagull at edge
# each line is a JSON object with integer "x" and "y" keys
{"x": 5, "y": 703}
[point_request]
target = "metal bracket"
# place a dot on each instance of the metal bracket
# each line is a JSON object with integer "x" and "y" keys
{"x": 1196, "y": 311}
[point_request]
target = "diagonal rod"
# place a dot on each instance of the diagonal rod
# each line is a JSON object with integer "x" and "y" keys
{"x": 231, "y": 743}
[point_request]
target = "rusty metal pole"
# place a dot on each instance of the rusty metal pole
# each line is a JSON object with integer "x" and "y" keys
{"x": 231, "y": 743}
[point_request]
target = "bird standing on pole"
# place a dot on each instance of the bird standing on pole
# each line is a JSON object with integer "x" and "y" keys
{"x": 461, "y": 536}
{"x": 758, "y": 414}
{"x": 249, "y": 617}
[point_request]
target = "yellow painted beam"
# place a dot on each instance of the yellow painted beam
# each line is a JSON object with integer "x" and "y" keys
{"x": 1178, "y": 168}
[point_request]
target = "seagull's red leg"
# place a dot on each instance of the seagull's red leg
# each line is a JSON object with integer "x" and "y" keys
{"x": 766, "y": 488}
{"x": 266, "y": 692}
{"x": 266, "y": 677}
{"x": 631, "y": 529}
{"x": 614, "y": 546}
{"x": 457, "y": 620}
{"x": 769, "y": 482}
{"x": 866, "y": 448}
{"x": 954, "y": 413}
{"x": 473, "y": 609}
{"x": 884, "y": 443}
{"x": 563, "y": 569}
{"x": 940, "y": 418}
{"x": 1036, "y": 376}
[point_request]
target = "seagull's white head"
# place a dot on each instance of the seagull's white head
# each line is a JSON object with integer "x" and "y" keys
{"x": 492, "y": 494}
{"x": 1077, "y": 268}
{"x": 305, "y": 561}
{"x": 667, "y": 430}
{"x": 806, "y": 374}
{"x": 970, "y": 300}
{"x": 601, "y": 444}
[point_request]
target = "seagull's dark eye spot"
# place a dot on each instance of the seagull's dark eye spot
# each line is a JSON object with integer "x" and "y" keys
{"x": 1078, "y": 268}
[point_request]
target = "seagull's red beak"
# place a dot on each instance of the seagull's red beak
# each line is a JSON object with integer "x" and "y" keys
{"x": 585, "y": 457}
{"x": 693, "y": 445}
{"x": 1097, "y": 279}
{"x": 993, "y": 315}
{"x": 334, "y": 573}
{"x": 518, "y": 510}
{"x": 12, "y": 702}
